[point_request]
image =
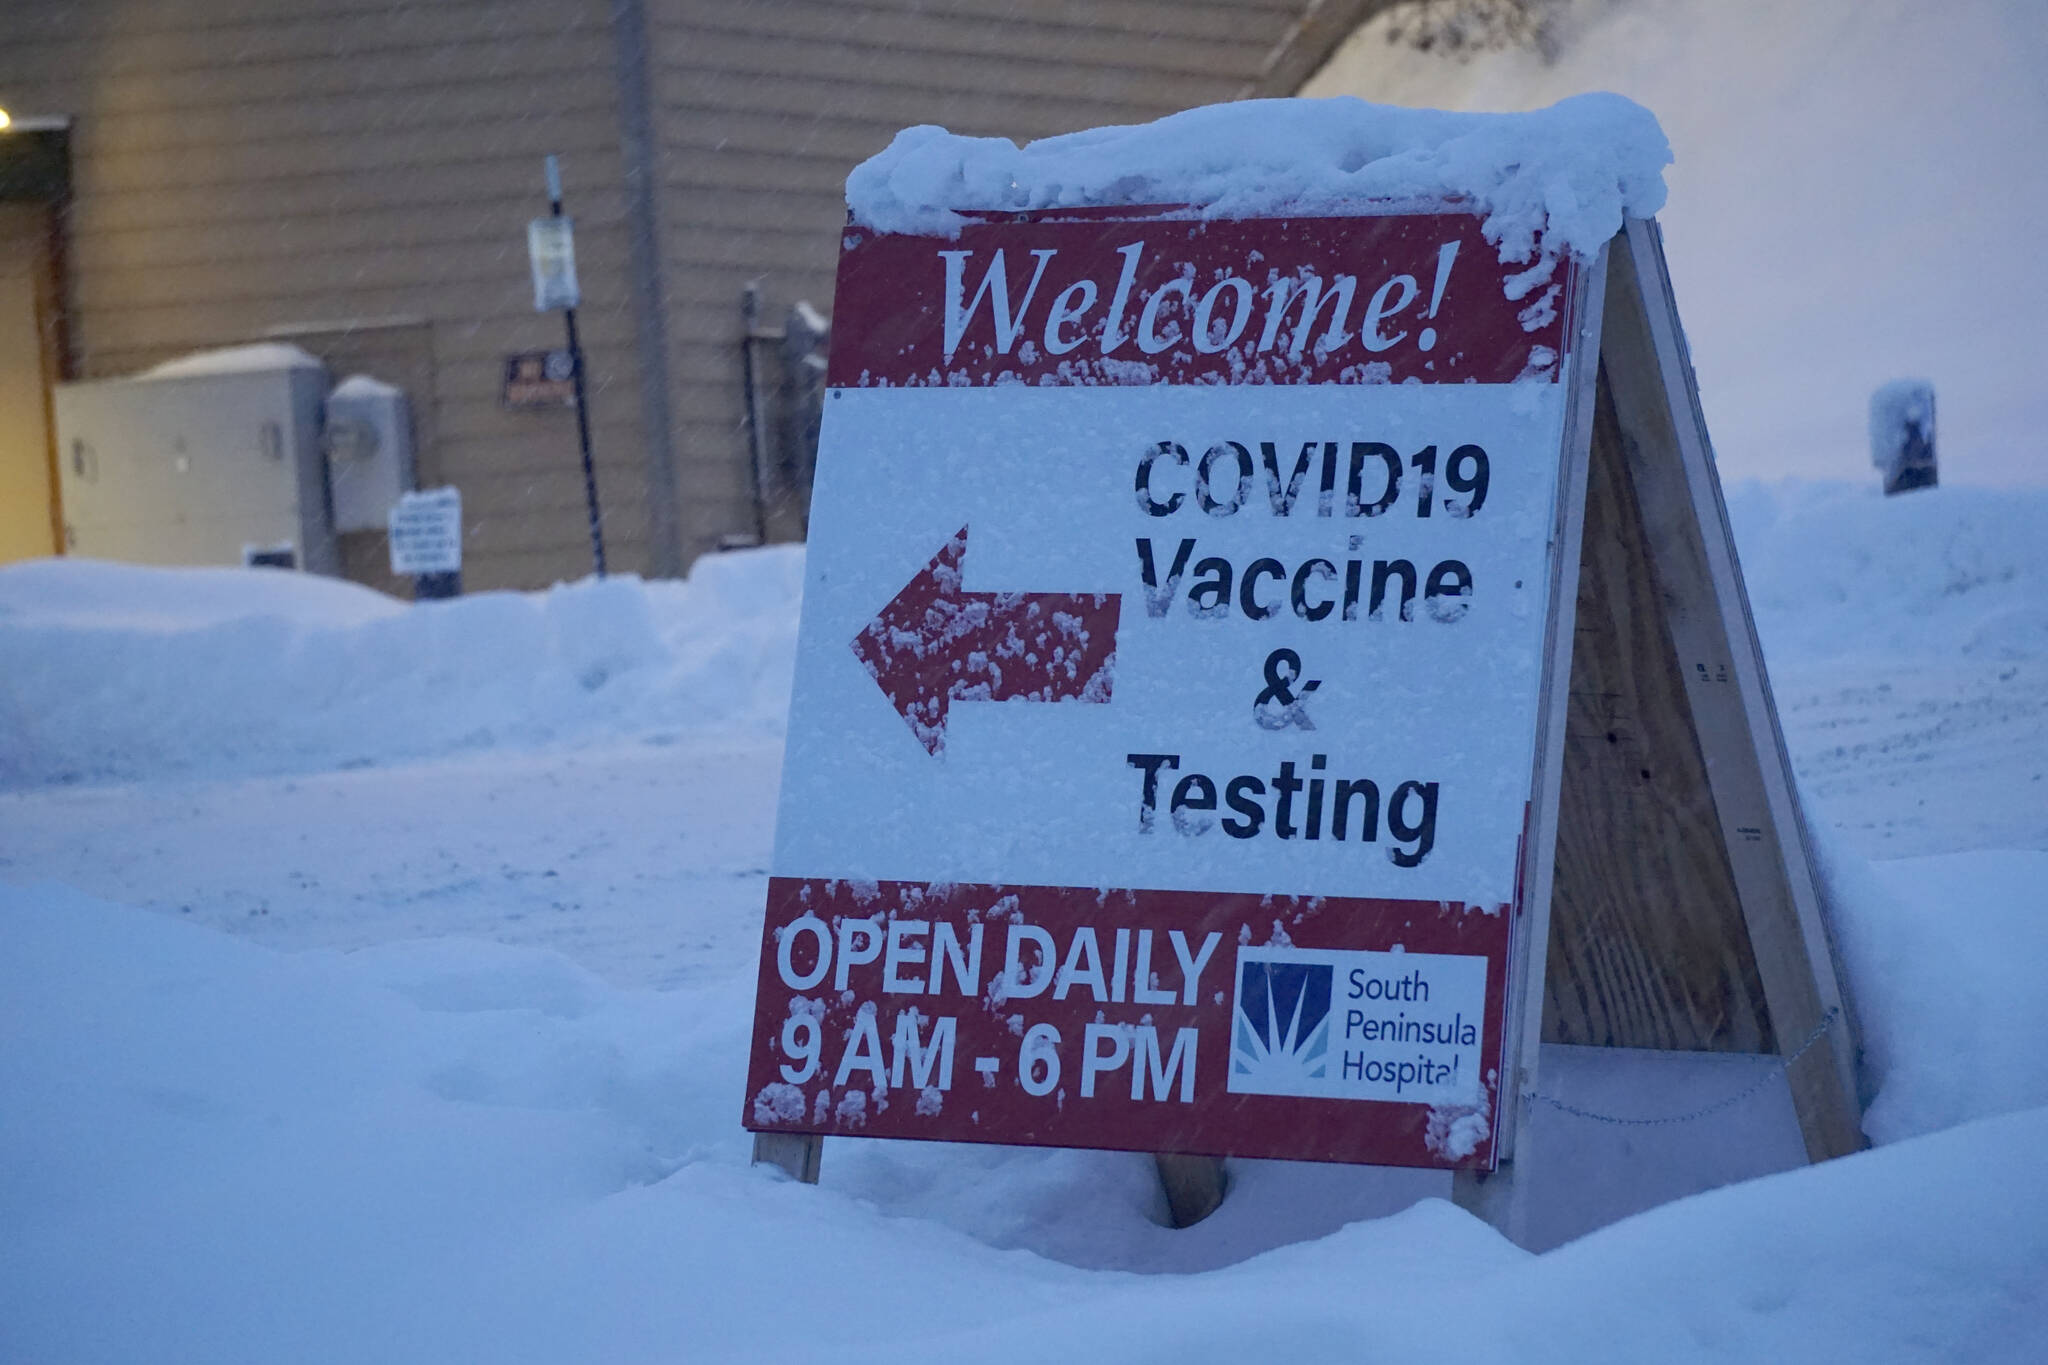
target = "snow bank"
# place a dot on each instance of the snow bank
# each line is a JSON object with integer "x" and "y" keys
{"x": 112, "y": 671}
{"x": 1839, "y": 571}
{"x": 1555, "y": 180}
{"x": 92, "y": 594}
{"x": 1945, "y": 955}
{"x": 458, "y": 1151}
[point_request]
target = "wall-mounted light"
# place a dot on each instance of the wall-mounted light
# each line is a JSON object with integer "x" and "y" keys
{"x": 4, "y": 120}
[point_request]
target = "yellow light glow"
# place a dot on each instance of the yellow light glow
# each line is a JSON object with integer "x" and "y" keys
{"x": 4, "y": 120}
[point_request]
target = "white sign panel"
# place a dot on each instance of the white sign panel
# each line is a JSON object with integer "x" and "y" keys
{"x": 1266, "y": 661}
{"x": 426, "y": 532}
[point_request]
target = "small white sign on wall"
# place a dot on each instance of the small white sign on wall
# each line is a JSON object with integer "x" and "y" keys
{"x": 426, "y": 532}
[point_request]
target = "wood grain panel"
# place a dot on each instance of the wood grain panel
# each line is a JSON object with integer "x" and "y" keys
{"x": 393, "y": 85}
{"x": 859, "y": 29}
{"x": 1657, "y": 402}
{"x": 1257, "y": 22}
{"x": 488, "y": 276}
{"x": 690, "y": 122}
{"x": 238, "y": 21}
{"x": 50, "y": 38}
{"x": 450, "y": 126}
{"x": 109, "y": 166}
{"x": 471, "y": 188}
{"x": 915, "y": 67}
{"x": 1648, "y": 946}
{"x": 1017, "y": 111}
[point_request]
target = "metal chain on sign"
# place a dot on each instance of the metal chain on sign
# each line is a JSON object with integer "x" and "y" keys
{"x": 1819, "y": 1030}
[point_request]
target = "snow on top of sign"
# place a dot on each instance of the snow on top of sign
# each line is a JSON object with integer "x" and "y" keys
{"x": 1557, "y": 179}
{"x": 266, "y": 355}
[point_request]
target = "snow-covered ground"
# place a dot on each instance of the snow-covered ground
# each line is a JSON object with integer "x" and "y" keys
{"x": 486, "y": 1104}
{"x": 375, "y": 980}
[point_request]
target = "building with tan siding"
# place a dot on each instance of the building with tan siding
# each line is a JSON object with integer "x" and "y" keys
{"x": 354, "y": 176}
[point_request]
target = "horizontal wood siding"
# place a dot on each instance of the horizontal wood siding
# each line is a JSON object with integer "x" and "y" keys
{"x": 763, "y": 108}
{"x": 242, "y": 167}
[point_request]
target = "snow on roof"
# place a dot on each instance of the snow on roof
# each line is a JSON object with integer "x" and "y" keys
{"x": 267, "y": 355}
{"x": 1557, "y": 179}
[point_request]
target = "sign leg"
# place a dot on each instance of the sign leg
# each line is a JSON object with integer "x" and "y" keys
{"x": 1501, "y": 1196}
{"x": 1194, "y": 1186}
{"x": 796, "y": 1153}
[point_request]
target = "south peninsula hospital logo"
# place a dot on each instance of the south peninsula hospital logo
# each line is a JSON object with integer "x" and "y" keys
{"x": 1280, "y": 1029}
{"x": 1357, "y": 1024}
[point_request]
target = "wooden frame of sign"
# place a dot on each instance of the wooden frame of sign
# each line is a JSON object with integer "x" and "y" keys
{"x": 1670, "y": 886}
{"x": 1670, "y": 900}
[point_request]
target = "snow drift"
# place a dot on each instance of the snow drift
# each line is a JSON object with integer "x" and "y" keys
{"x": 113, "y": 671}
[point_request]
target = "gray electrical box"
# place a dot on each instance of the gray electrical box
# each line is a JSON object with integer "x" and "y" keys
{"x": 369, "y": 452}
{"x": 196, "y": 460}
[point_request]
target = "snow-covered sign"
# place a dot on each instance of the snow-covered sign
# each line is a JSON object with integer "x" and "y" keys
{"x": 1203, "y": 710}
{"x": 426, "y": 532}
{"x": 1247, "y": 521}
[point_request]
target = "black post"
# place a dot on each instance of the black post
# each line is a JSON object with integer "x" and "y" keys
{"x": 583, "y": 440}
{"x": 428, "y": 587}
{"x": 582, "y": 405}
{"x": 1902, "y": 435}
{"x": 750, "y": 322}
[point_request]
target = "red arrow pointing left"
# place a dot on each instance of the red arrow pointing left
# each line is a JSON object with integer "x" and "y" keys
{"x": 935, "y": 644}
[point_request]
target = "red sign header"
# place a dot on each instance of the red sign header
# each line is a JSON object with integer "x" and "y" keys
{"x": 1088, "y": 301}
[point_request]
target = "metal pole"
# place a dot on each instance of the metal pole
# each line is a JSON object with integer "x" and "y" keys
{"x": 582, "y": 406}
{"x": 583, "y": 440}
{"x": 750, "y": 318}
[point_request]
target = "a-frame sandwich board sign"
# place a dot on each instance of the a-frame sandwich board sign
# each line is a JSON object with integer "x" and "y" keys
{"x": 1678, "y": 905}
{"x": 1284, "y": 517}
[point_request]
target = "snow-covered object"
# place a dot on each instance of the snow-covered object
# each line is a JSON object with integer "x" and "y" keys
{"x": 370, "y": 462}
{"x": 1838, "y": 571}
{"x": 1554, "y": 180}
{"x": 363, "y": 386}
{"x": 1901, "y": 420}
{"x": 255, "y": 359}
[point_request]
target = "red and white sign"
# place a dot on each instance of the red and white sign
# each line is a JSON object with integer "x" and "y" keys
{"x": 1165, "y": 695}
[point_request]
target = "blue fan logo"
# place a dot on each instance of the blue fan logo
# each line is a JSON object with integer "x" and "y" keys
{"x": 1281, "y": 1039}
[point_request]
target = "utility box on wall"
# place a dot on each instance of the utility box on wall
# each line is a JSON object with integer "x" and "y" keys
{"x": 193, "y": 461}
{"x": 369, "y": 451}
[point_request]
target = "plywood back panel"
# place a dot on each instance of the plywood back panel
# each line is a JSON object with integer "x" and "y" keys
{"x": 1648, "y": 947}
